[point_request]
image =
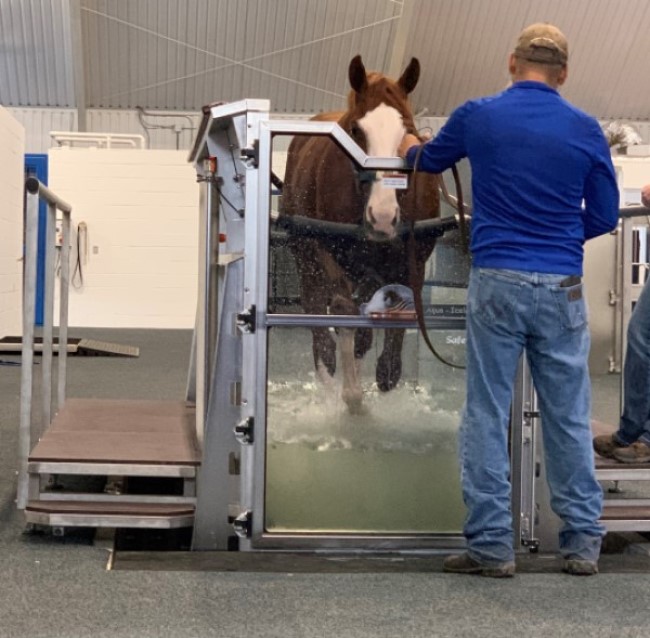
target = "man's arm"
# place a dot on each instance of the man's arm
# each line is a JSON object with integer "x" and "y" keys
{"x": 444, "y": 150}
{"x": 645, "y": 195}
{"x": 601, "y": 194}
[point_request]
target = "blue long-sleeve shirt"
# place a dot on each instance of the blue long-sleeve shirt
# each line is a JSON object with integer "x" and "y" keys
{"x": 542, "y": 177}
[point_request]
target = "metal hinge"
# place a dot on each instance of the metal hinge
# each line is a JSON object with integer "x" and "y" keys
{"x": 251, "y": 155}
{"x": 244, "y": 430}
{"x": 246, "y": 320}
{"x": 243, "y": 524}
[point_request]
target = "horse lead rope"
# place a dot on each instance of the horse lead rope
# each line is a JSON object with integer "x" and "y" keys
{"x": 417, "y": 297}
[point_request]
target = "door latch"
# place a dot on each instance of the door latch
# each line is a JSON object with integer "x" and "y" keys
{"x": 243, "y": 524}
{"x": 246, "y": 320}
{"x": 244, "y": 430}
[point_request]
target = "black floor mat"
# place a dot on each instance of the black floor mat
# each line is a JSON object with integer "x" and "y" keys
{"x": 280, "y": 562}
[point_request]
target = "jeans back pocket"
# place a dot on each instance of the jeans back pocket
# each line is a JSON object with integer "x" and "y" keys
{"x": 571, "y": 306}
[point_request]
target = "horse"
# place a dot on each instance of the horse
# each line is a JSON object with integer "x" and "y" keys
{"x": 321, "y": 182}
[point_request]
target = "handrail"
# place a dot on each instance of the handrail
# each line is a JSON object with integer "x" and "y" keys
{"x": 35, "y": 191}
{"x": 102, "y": 140}
{"x": 634, "y": 211}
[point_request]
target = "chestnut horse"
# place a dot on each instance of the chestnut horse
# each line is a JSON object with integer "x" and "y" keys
{"x": 321, "y": 182}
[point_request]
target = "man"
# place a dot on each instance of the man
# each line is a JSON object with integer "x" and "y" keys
{"x": 535, "y": 159}
{"x": 631, "y": 443}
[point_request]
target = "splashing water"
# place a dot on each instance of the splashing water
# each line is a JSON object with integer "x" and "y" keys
{"x": 410, "y": 418}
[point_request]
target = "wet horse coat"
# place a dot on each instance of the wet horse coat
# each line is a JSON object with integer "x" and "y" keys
{"x": 321, "y": 182}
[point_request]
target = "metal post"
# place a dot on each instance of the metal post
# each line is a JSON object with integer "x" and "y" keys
{"x": 524, "y": 422}
{"x": 63, "y": 310}
{"x": 29, "y": 309}
{"x": 48, "y": 318}
{"x": 207, "y": 298}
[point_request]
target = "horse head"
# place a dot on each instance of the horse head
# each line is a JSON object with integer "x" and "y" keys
{"x": 378, "y": 116}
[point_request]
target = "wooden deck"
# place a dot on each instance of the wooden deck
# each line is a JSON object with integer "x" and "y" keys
{"x": 120, "y": 431}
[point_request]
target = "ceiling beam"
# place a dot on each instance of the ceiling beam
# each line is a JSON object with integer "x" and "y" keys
{"x": 397, "y": 63}
{"x": 78, "y": 64}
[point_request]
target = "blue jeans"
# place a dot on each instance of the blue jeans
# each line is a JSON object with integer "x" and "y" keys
{"x": 509, "y": 312}
{"x": 635, "y": 420}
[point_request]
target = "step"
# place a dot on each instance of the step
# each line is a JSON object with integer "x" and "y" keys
{"x": 112, "y": 514}
{"x": 621, "y": 517}
{"x": 120, "y": 437}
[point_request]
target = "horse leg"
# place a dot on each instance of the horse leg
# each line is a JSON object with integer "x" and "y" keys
{"x": 389, "y": 364}
{"x": 324, "y": 349}
{"x": 362, "y": 342}
{"x": 314, "y": 286}
{"x": 352, "y": 392}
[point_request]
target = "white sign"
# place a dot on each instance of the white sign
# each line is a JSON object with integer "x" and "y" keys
{"x": 395, "y": 180}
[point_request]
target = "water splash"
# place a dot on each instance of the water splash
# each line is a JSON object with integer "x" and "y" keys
{"x": 411, "y": 418}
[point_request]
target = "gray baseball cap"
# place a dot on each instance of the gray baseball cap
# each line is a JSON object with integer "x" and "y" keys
{"x": 542, "y": 43}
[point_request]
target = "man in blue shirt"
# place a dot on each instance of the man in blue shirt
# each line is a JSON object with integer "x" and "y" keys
{"x": 542, "y": 183}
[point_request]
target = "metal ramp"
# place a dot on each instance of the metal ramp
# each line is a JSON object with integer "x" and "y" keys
{"x": 78, "y": 346}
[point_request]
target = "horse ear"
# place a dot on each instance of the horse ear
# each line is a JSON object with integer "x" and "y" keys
{"x": 411, "y": 75}
{"x": 357, "y": 74}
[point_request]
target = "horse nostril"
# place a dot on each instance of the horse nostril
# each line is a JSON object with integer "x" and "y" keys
{"x": 394, "y": 222}
{"x": 371, "y": 217}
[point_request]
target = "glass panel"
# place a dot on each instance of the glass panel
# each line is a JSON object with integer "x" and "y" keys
{"x": 376, "y": 453}
{"x": 389, "y": 468}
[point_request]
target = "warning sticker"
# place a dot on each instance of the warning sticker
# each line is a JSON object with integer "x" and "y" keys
{"x": 394, "y": 180}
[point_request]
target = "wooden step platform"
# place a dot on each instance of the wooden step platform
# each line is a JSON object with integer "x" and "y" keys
{"x": 116, "y": 437}
{"x": 101, "y": 514}
{"x": 124, "y": 434}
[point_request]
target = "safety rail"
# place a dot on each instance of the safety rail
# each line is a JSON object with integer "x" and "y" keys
{"x": 98, "y": 140}
{"x": 35, "y": 191}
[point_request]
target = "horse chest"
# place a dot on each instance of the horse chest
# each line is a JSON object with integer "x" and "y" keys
{"x": 370, "y": 265}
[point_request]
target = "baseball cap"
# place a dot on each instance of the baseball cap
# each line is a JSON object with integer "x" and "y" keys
{"x": 542, "y": 43}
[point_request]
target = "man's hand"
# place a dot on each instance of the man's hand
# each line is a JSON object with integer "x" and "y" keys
{"x": 645, "y": 195}
{"x": 407, "y": 141}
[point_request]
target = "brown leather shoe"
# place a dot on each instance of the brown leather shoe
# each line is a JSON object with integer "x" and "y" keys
{"x": 465, "y": 564}
{"x": 605, "y": 444}
{"x": 580, "y": 567}
{"x": 638, "y": 452}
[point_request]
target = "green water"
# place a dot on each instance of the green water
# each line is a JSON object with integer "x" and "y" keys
{"x": 351, "y": 491}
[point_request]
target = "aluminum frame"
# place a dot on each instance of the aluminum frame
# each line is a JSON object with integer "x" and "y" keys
{"x": 27, "y": 433}
{"x": 524, "y": 425}
{"x": 254, "y": 132}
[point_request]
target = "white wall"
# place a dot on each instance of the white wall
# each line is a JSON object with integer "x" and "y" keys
{"x": 141, "y": 212}
{"x": 12, "y": 161}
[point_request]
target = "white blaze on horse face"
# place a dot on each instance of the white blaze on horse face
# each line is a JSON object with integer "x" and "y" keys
{"x": 384, "y": 130}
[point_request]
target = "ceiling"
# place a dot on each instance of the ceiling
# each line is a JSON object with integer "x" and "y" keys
{"x": 182, "y": 54}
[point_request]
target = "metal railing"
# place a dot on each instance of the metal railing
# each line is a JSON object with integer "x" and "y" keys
{"x": 28, "y": 433}
{"x": 98, "y": 140}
